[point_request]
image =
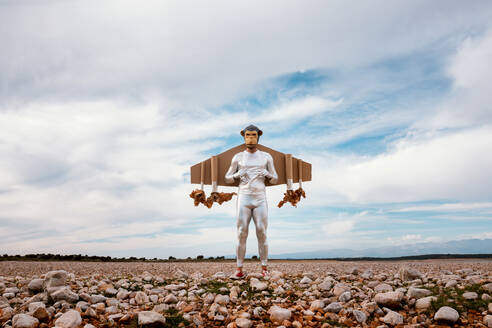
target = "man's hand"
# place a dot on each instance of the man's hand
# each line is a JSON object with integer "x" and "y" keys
{"x": 241, "y": 174}
{"x": 264, "y": 173}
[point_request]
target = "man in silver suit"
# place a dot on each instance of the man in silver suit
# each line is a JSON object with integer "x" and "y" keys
{"x": 251, "y": 167}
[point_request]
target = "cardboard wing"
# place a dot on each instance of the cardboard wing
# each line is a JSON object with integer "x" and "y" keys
{"x": 215, "y": 168}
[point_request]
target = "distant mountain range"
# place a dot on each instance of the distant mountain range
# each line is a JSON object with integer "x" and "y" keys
{"x": 468, "y": 246}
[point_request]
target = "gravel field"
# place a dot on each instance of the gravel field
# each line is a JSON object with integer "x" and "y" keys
{"x": 427, "y": 293}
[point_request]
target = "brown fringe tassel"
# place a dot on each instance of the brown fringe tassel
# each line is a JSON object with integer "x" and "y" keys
{"x": 215, "y": 197}
{"x": 293, "y": 197}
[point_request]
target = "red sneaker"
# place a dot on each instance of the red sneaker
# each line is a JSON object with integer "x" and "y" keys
{"x": 238, "y": 275}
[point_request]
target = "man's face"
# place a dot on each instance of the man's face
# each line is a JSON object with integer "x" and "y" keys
{"x": 250, "y": 138}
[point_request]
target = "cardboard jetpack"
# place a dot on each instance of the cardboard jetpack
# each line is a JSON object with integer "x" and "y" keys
{"x": 212, "y": 172}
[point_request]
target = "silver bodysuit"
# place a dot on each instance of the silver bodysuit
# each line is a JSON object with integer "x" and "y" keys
{"x": 252, "y": 169}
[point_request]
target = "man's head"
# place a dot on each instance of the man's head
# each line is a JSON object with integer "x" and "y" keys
{"x": 251, "y": 135}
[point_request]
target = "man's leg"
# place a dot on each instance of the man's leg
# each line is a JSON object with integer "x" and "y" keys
{"x": 260, "y": 217}
{"x": 244, "y": 213}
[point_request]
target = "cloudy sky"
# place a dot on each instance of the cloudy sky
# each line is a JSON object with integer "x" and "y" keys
{"x": 104, "y": 106}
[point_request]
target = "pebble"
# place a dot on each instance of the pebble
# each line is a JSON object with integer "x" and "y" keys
{"x": 424, "y": 303}
{"x": 69, "y": 319}
{"x": 334, "y": 307}
{"x": 393, "y": 318}
{"x": 418, "y": 292}
{"x": 150, "y": 317}
{"x": 487, "y": 320}
{"x": 389, "y": 299}
{"x": 360, "y": 316}
{"x": 305, "y": 300}
{"x": 447, "y": 314}
{"x": 257, "y": 284}
{"x": 470, "y": 296}
{"x": 244, "y": 323}
{"x": 278, "y": 314}
{"x": 24, "y": 321}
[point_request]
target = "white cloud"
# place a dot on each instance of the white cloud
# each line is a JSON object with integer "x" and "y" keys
{"x": 447, "y": 207}
{"x": 338, "y": 227}
{"x": 450, "y": 166}
{"x": 205, "y": 53}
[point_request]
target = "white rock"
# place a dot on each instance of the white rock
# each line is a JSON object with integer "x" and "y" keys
{"x": 317, "y": 305}
{"x": 487, "y": 320}
{"x": 258, "y": 285}
{"x": 174, "y": 287}
{"x": 451, "y": 283}
{"x": 97, "y": 299}
{"x": 209, "y": 298}
{"x": 55, "y": 279}
{"x": 111, "y": 310}
{"x": 306, "y": 281}
{"x": 325, "y": 285}
{"x": 276, "y": 275}
{"x": 141, "y": 298}
{"x": 24, "y": 321}
{"x": 36, "y": 285}
{"x": 38, "y": 311}
{"x": 447, "y": 314}
{"x": 389, "y": 299}
{"x": 6, "y": 314}
{"x": 278, "y": 314}
{"x": 258, "y": 311}
{"x": 69, "y": 319}
{"x": 64, "y": 294}
{"x": 150, "y": 317}
{"x": 180, "y": 274}
{"x": 279, "y": 290}
{"x": 487, "y": 287}
{"x": 470, "y": 296}
{"x": 418, "y": 292}
{"x": 170, "y": 299}
{"x": 345, "y": 296}
{"x": 383, "y": 288}
{"x": 360, "y": 316}
{"x": 409, "y": 274}
{"x": 393, "y": 318}
{"x": 219, "y": 275}
{"x": 89, "y": 326}
{"x": 424, "y": 302}
{"x": 243, "y": 323}
{"x": 340, "y": 288}
{"x": 221, "y": 299}
{"x": 122, "y": 294}
{"x": 334, "y": 307}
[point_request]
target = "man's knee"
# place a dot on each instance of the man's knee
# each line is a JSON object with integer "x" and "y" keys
{"x": 261, "y": 235}
{"x": 242, "y": 234}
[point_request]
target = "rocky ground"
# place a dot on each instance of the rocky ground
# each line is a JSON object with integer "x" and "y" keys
{"x": 431, "y": 293}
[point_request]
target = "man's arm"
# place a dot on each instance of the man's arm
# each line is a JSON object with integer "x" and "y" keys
{"x": 231, "y": 173}
{"x": 272, "y": 174}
